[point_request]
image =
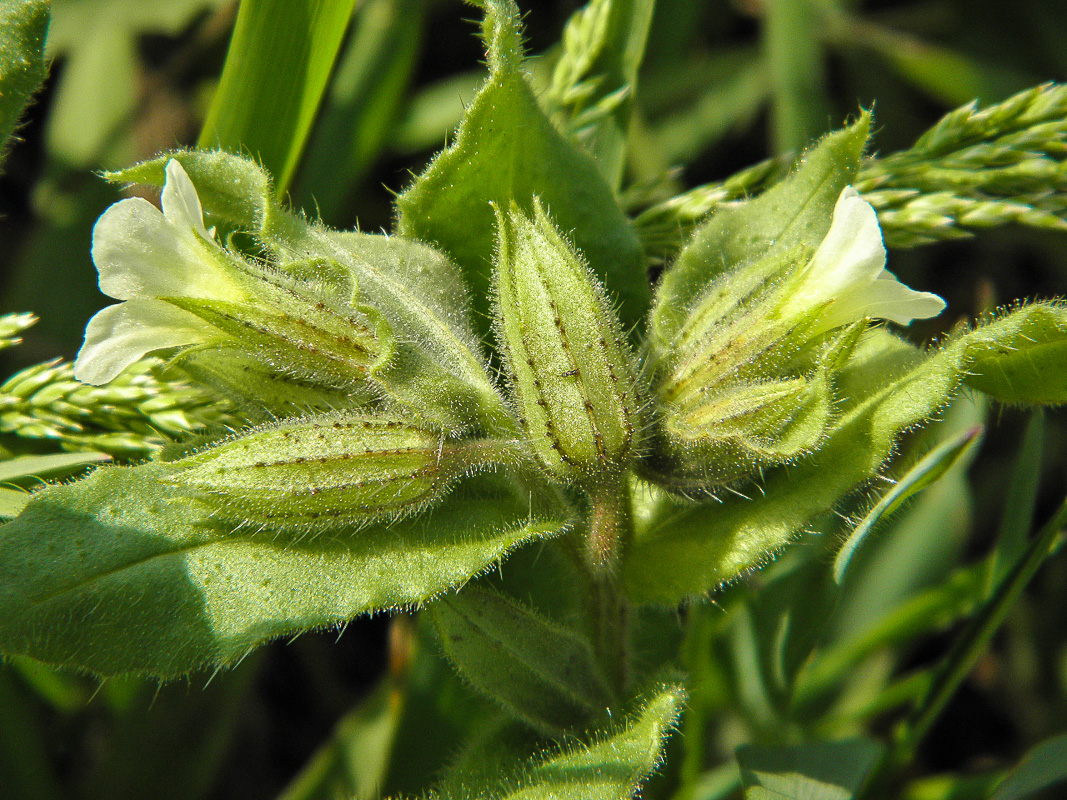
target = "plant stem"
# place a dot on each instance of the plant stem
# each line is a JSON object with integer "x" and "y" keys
{"x": 609, "y": 534}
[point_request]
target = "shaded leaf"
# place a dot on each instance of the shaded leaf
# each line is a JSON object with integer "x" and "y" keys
{"x": 1020, "y": 501}
{"x": 352, "y": 763}
{"x": 812, "y": 771}
{"x": 539, "y": 671}
{"x": 118, "y": 573}
{"x": 1045, "y": 765}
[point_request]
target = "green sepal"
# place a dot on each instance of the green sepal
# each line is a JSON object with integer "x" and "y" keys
{"x": 795, "y": 213}
{"x": 337, "y": 349}
{"x": 507, "y": 151}
{"x": 540, "y": 672}
{"x": 570, "y": 367}
{"x": 611, "y": 766}
{"x": 123, "y": 573}
{"x": 735, "y": 429}
{"x": 438, "y": 370}
{"x": 235, "y": 372}
{"x": 887, "y": 386}
{"x": 318, "y": 474}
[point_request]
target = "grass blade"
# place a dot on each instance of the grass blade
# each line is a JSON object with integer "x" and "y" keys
{"x": 277, "y": 68}
{"x": 929, "y": 469}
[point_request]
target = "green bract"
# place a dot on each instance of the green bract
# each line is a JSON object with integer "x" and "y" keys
{"x": 327, "y": 435}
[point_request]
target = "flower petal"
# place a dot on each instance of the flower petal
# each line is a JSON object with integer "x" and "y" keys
{"x": 885, "y": 298}
{"x": 181, "y": 205}
{"x": 140, "y": 253}
{"x": 852, "y": 251}
{"x": 121, "y": 334}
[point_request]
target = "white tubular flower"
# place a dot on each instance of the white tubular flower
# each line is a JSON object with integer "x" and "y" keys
{"x": 847, "y": 275}
{"x": 142, "y": 255}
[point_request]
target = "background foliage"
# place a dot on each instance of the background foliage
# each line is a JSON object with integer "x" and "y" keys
{"x": 722, "y": 86}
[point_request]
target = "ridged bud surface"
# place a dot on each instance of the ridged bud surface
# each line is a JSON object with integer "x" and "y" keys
{"x": 314, "y": 474}
{"x": 570, "y": 368}
{"x": 307, "y": 330}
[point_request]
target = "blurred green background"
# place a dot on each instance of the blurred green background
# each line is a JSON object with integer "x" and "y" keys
{"x": 725, "y": 83}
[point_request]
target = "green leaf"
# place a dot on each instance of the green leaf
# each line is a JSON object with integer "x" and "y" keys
{"x": 812, "y": 771}
{"x": 507, "y": 151}
{"x": 1045, "y": 765}
{"x": 972, "y": 643}
{"x": 119, "y": 573}
{"x": 277, "y": 68}
{"x": 539, "y": 671}
{"x": 48, "y": 466}
{"x": 890, "y": 386}
{"x": 792, "y": 42}
{"x": 24, "y": 763}
{"x": 928, "y": 471}
{"x": 23, "y": 28}
{"x": 365, "y": 98}
{"x": 96, "y": 96}
{"x": 1020, "y": 501}
{"x": 612, "y": 767}
{"x": 795, "y": 212}
{"x": 1029, "y": 365}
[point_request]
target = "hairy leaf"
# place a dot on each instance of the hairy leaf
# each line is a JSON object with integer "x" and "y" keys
{"x": 23, "y": 28}
{"x": 120, "y": 573}
{"x": 890, "y": 386}
{"x": 539, "y": 671}
{"x": 610, "y": 768}
{"x": 507, "y": 151}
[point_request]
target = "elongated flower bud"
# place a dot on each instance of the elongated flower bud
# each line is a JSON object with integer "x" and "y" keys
{"x": 569, "y": 365}
{"x": 314, "y": 474}
{"x": 301, "y": 329}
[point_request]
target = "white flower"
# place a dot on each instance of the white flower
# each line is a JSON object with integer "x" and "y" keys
{"x": 847, "y": 275}
{"x": 142, "y": 255}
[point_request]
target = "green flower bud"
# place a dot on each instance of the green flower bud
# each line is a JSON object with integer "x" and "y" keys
{"x": 312, "y": 475}
{"x": 748, "y": 380}
{"x": 302, "y": 330}
{"x": 569, "y": 365}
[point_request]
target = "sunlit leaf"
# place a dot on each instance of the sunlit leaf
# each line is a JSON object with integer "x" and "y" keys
{"x": 23, "y": 28}
{"x": 506, "y": 150}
